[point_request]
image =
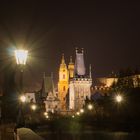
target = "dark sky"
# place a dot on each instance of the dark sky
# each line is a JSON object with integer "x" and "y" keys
{"x": 108, "y": 32}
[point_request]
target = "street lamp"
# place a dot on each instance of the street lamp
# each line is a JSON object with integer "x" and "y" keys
{"x": 22, "y": 98}
{"x": 81, "y": 110}
{"x": 47, "y": 117}
{"x": 118, "y": 98}
{"x": 33, "y": 107}
{"x": 21, "y": 58}
{"x": 78, "y": 113}
{"x": 90, "y": 107}
{"x": 45, "y": 113}
{"x": 73, "y": 116}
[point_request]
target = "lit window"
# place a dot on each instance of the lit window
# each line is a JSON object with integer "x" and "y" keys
{"x": 63, "y": 76}
{"x": 64, "y": 88}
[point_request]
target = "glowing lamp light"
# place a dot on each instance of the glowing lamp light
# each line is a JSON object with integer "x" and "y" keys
{"x": 22, "y": 98}
{"x": 33, "y": 107}
{"x": 47, "y": 117}
{"x": 45, "y": 113}
{"x": 21, "y": 56}
{"x": 78, "y": 113}
{"x": 90, "y": 107}
{"x": 82, "y": 110}
{"x": 118, "y": 98}
{"x": 73, "y": 116}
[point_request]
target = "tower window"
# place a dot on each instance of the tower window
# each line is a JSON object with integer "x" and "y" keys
{"x": 63, "y": 76}
{"x": 64, "y": 88}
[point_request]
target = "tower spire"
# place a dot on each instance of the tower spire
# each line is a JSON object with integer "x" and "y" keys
{"x": 76, "y": 49}
{"x": 63, "y": 83}
{"x": 71, "y": 59}
{"x": 63, "y": 59}
{"x": 52, "y": 82}
{"x": 71, "y": 68}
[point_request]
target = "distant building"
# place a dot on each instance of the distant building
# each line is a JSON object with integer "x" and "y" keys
{"x": 30, "y": 97}
{"x": 63, "y": 84}
{"x": 74, "y": 84}
{"x": 106, "y": 82}
{"x": 52, "y": 103}
{"x": 49, "y": 95}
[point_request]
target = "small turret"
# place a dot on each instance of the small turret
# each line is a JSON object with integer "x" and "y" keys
{"x": 71, "y": 68}
{"x": 76, "y": 49}
{"x": 63, "y": 71}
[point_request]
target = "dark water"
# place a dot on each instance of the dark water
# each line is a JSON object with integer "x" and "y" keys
{"x": 90, "y": 135}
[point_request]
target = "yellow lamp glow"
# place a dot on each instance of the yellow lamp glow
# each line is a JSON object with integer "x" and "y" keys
{"x": 45, "y": 113}
{"x": 78, "y": 113}
{"x": 82, "y": 110}
{"x": 90, "y": 107}
{"x": 33, "y": 107}
{"x": 118, "y": 98}
{"x": 22, "y": 98}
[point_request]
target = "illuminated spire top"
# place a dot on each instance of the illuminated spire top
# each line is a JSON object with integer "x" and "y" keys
{"x": 63, "y": 64}
{"x": 71, "y": 60}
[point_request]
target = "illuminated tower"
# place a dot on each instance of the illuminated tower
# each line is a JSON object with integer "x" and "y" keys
{"x": 80, "y": 84}
{"x": 71, "y": 68}
{"x": 63, "y": 83}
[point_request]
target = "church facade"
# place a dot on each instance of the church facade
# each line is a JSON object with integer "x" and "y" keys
{"x": 74, "y": 84}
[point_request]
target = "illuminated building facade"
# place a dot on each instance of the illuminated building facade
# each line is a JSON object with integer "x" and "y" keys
{"x": 74, "y": 84}
{"x": 63, "y": 83}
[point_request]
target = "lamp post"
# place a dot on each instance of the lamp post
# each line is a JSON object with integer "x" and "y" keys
{"x": 21, "y": 58}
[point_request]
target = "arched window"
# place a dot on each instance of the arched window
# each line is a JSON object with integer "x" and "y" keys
{"x": 63, "y": 76}
{"x": 64, "y": 88}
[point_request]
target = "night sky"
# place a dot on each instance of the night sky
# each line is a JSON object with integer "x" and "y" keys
{"x": 108, "y": 32}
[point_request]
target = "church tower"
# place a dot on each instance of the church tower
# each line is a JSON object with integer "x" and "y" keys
{"x": 71, "y": 68}
{"x": 63, "y": 83}
{"x": 80, "y": 84}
